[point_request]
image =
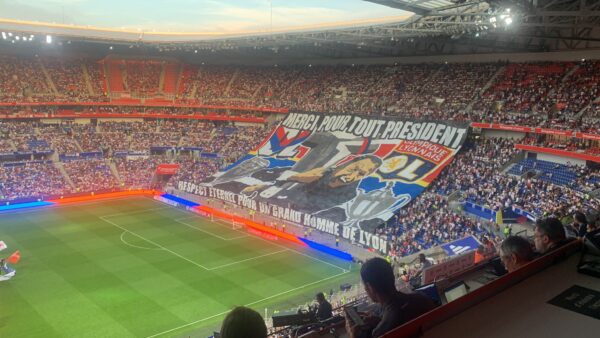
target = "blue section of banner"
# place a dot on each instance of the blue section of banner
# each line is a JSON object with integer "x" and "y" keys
{"x": 331, "y": 251}
{"x": 180, "y": 200}
{"x": 461, "y": 246}
{"x": 24, "y": 205}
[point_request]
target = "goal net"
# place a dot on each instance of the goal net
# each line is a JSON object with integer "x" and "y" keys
{"x": 227, "y": 221}
{"x": 237, "y": 225}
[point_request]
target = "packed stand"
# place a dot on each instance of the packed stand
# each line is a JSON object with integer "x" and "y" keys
{"x": 91, "y": 175}
{"x": 20, "y": 79}
{"x": 143, "y": 77}
{"x": 31, "y": 180}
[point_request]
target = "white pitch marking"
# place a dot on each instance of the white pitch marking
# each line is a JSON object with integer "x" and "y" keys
{"x": 154, "y": 243}
{"x": 183, "y": 257}
{"x": 248, "y": 259}
{"x": 179, "y": 220}
{"x": 281, "y": 246}
{"x": 135, "y": 246}
{"x": 135, "y": 212}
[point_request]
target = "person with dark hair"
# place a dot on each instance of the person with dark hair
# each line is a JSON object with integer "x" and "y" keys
{"x": 580, "y": 224}
{"x": 397, "y": 308}
{"x": 425, "y": 261}
{"x": 514, "y": 252}
{"x": 324, "y": 311}
{"x": 549, "y": 234}
{"x": 243, "y": 322}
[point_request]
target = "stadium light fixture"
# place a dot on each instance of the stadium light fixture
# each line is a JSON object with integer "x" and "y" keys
{"x": 4, "y": 35}
{"x": 111, "y": 47}
{"x": 18, "y": 38}
{"x": 9, "y": 34}
{"x": 508, "y": 21}
{"x": 48, "y": 39}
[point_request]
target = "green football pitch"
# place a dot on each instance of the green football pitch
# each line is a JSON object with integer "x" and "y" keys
{"x": 135, "y": 267}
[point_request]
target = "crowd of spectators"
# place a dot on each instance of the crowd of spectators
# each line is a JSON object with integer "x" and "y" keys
{"x": 137, "y": 172}
{"x": 533, "y": 94}
{"x": 69, "y": 79}
{"x": 31, "y": 180}
{"x": 21, "y": 78}
{"x": 428, "y": 221}
{"x": 142, "y": 78}
{"x": 91, "y": 175}
{"x": 545, "y": 94}
{"x": 128, "y": 146}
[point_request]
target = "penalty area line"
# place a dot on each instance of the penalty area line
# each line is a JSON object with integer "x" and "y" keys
{"x": 156, "y": 244}
{"x": 274, "y": 244}
{"x": 247, "y": 305}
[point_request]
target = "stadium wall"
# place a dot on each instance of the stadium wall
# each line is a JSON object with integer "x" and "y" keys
{"x": 503, "y": 134}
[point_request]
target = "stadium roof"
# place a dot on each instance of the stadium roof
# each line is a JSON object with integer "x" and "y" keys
{"x": 435, "y": 27}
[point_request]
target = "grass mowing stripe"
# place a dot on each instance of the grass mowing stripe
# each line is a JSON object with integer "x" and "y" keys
{"x": 156, "y": 244}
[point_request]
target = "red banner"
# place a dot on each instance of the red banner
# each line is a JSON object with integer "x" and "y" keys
{"x": 167, "y": 169}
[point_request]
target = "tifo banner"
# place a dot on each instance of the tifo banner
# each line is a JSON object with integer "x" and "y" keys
{"x": 461, "y": 246}
{"x": 341, "y": 174}
{"x": 167, "y": 169}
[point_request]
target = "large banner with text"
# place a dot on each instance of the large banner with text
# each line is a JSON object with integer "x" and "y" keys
{"x": 341, "y": 174}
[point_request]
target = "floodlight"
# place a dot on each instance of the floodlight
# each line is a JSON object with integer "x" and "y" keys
{"x": 4, "y": 35}
{"x": 48, "y": 38}
{"x": 508, "y": 20}
{"x": 9, "y": 34}
{"x": 18, "y": 38}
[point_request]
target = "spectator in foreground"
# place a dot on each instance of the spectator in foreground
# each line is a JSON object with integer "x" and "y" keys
{"x": 549, "y": 234}
{"x": 324, "y": 311}
{"x": 397, "y": 308}
{"x": 425, "y": 261}
{"x": 580, "y": 224}
{"x": 515, "y": 251}
{"x": 243, "y": 322}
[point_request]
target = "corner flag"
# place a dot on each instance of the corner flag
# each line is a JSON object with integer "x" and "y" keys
{"x": 14, "y": 258}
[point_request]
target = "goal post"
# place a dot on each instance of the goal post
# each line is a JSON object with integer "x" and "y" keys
{"x": 237, "y": 225}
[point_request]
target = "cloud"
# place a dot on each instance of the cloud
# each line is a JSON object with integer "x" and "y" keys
{"x": 193, "y": 15}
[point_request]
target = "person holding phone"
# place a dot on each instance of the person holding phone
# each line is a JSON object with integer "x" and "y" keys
{"x": 397, "y": 308}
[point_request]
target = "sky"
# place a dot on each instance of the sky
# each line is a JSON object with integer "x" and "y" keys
{"x": 194, "y": 15}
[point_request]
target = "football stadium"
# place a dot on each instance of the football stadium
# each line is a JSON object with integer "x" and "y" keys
{"x": 253, "y": 169}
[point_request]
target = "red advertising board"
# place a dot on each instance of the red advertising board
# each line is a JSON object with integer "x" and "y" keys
{"x": 167, "y": 169}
